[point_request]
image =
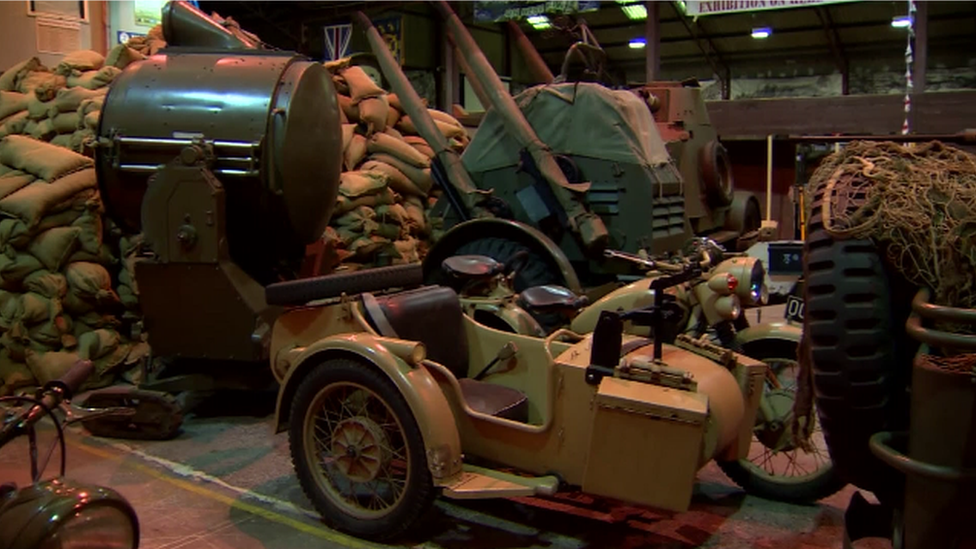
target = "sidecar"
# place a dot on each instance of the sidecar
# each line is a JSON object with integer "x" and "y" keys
{"x": 394, "y": 398}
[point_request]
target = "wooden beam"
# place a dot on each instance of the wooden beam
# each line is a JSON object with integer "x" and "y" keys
{"x": 937, "y": 113}
{"x": 652, "y": 37}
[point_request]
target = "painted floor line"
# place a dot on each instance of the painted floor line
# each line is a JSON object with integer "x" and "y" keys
{"x": 317, "y": 531}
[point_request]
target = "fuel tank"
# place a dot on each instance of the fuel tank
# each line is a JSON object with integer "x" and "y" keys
{"x": 273, "y": 122}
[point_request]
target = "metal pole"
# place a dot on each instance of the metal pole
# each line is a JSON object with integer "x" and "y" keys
{"x": 769, "y": 177}
{"x": 652, "y": 46}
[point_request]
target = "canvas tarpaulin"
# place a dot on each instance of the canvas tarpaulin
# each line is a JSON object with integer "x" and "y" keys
{"x": 579, "y": 119}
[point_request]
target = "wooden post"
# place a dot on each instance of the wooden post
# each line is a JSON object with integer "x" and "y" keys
{"x": 652, "y": 37}
{"x": 449, "y": 76}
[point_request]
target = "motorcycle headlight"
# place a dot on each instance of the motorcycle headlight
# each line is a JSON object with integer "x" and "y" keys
{"x": 752, "y": 279}
{"x": 61, "y": 515}
{"x": 103, "y": 526}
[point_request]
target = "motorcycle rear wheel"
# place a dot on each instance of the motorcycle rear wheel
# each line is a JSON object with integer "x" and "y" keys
{"x": 770, "y": 473}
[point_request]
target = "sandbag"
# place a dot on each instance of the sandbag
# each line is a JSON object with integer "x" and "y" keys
{"x": 340, "y": 84}
{"x": 51, "y": 331}
{"x": 37, "y": 79}
{"x": 38, "y": 199}
{"x": 356, "y": 218}
{"x": 393, "y": 132}
{"x": 360, "y": 183}
{"x": 58, "y": 219}
{"x": 345, "y": 204}
{"x": 93, "y": 321}
{"x": 103, "y": 257}
{"x": 98, "y": 343}
{"x": 12, "y": 102}
{"x": 10, "y": 79}
{"x": 62, "y": 140}
{"x": 391, "y": 213}
{"x": 67, "y": 122}
{"x": 90, "y": 105}
{"x": 44, "y": 160}
{"x": 75, "y": 305}
{"x": 12, "y": 233}
{"x": 47, "y": 284}
{"x": 348, "y": 108}
{"x": 414, "y": 207}
{"x": 90, "y": 232}
{"x": 121, "y": 56}
{"x": 407, "y": 249}
{"x": 42, "y": 130}
{"x": 35, "y": 308}
{"x": 397, "y": 180}
{"x": 82, "y": 140}
{"x": 12, "y": 182}
{"x": 94, "y": 79}
{"x": 366, "y": 247}
{"x": 441, "y": 116}
{"x": 421, "y": 145}
{"x": 69, "y": 99}
{"x": 128, "y": 298}
{"x": 88, "y": 280}
{"x": 81, "y": 60}
{"x": 383, "y": 143}
{"x": 348, "y": 130}
{"x": 394, "y": 101}
{"x": 14, "y": 124}
{"x": 54, "y": 246}
{"x": 406, "y": 125}
{"x": 48, "y": 89}
{"x": 355, "y": 152}
{"x": 49, "y": 366}
{"x": 38, "y": 109}
{"x": 419, "y": 177}
{"x": 90, "y": 121}
{"x": 373, "y": 111}
{"x": 14, "y": 375}
{"x": 14, "y": 270}
{"x": 361, "y": 86}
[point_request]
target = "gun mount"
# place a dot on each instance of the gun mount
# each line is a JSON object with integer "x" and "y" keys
{"x": 227, "y": 158}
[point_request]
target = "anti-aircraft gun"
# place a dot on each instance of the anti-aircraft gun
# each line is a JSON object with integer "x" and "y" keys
{"x": 569, "y": 151}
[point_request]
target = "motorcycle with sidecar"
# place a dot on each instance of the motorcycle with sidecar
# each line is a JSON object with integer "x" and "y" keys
{"x": 390, "y": 400}
{"x": 781, "y": 465}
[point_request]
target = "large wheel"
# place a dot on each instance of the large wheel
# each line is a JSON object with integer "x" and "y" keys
{"x": 855, "y": 316}
{"x": 358, "y": 451}
{"x": 775, "y": 469}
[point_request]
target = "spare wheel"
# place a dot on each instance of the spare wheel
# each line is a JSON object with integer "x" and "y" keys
{"x": 716, "y": 174}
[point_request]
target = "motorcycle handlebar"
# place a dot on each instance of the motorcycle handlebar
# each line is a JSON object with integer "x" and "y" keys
{"x": 74, "y": 378}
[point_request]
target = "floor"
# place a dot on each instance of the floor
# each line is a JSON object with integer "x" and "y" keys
{"x": 227, "y": 482}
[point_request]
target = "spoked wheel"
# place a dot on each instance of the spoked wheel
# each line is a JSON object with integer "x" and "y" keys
{"x": 358, "y": 452}
{"x": 776, "y": 469}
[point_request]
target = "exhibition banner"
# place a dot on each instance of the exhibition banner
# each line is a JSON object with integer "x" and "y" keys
{"x": 147, "y": 13}
{"x": 503, "y": 10}
{"x": 697, "y": 8}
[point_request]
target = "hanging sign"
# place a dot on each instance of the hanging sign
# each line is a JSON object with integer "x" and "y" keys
{"x": 697, "y": 8}
{"x": 147, "y": 13}
{"x": 391, "y": 29}
{"x": 504, "y": 10}
{"x": 337, "y": 39}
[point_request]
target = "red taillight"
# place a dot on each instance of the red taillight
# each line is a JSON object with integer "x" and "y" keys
{"x": 733, "y": 283}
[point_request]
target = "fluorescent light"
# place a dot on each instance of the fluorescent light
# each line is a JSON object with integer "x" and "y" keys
{"x": 761, "y": 33}
{"x": 633, "y": 10}
{"x": 901, "y": 22}
{"x": 637, "y": 43}
{"x": 539, "y": 22}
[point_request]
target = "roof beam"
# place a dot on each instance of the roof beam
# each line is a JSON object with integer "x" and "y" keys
{"x": 837, "y": 47}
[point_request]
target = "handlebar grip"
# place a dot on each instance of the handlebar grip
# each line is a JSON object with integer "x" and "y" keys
{"x": 75, "y": 377}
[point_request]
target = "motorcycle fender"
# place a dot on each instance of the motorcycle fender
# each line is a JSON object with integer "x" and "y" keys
{"x": 780, "y": 330}
{"x": 418, "y": 387}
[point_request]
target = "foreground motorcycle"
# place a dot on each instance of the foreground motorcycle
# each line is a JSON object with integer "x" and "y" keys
{"x": 59, "y": 513}
{"x": 710, "y": 308}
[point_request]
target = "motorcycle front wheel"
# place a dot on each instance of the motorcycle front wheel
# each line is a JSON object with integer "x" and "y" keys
{"x": 775, "y": 468}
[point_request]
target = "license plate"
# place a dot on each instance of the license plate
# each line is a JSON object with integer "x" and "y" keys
{"x": 794, "y": 309}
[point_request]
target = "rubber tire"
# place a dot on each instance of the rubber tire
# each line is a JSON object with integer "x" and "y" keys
{"x": 854, "y": 327}
{"x": 752, "y": 220}
{"x": 300, "y": 292}
{"x": 717, "y": 179}
{"x": 419, "y": 494}
{"x": 824, "y": 485}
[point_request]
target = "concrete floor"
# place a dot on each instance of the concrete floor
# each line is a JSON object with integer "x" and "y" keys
{"x": 227, "y": 482}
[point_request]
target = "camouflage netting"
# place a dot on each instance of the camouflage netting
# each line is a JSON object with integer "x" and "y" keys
{"x": 918, "y": 203}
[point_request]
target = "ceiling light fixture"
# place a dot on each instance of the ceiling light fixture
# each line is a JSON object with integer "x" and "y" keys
{"x": 637, "y": 43}
{"x": 901, "y": 22}
{"x": 634, "y": 11}
{"x": 761, "y": 33}
{"x": 539, "y": 22}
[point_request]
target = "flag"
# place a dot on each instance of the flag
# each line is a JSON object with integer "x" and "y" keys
{"x": 337, "y": 41}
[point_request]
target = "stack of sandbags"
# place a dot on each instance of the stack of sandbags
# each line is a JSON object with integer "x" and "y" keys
{"x": 62, "y": 105}
{"x": 149, "y": 44}
{"x": 386, "y": 188}
{"x": 57, "y": 304}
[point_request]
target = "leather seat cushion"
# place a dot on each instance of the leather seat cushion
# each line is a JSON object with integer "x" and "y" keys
{"x": 495, "y": 400}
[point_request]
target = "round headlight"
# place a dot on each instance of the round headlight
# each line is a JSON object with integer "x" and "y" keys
{"x": 103, "y": 526}
{"x": 758, "y": 293}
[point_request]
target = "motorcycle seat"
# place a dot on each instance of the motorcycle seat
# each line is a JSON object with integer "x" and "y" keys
{"x": 551, "y": 298}
{"x": 495, "y": 400}
{"x": 471, "y": 267}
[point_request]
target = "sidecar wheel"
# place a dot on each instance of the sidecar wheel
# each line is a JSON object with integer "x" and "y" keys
{"x": 358, "y": 452}
{"x": 791, "y": 475}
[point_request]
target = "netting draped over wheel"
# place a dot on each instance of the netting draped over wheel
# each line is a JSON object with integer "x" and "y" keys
{"x": 917, "y": 202}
